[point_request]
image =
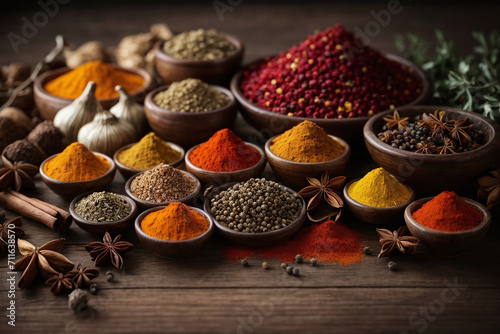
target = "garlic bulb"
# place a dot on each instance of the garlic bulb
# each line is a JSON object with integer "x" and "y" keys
{"x": 81, "y": 111}
{"x": 107, "y": 133}
{"x": 128, "y": 109}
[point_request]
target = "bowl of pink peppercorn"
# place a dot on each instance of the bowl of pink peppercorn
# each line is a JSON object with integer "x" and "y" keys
{"x": 328, "y": 79}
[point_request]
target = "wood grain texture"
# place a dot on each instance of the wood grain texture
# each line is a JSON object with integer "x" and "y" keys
{"x": 209, "y": 294}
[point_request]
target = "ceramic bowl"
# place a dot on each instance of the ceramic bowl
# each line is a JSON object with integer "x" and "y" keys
{"x": 220, "y": 178}
{"x": 375, "y": 215}
{"x": 188, "y": 128}
{"x": 128, "y": 172}
{"x": 72, "y": 189}
{"x": 256, "y": 239}
{"x": 293, "y": 174}
{"x": 350, "y": 129}
{"x": 433, "y": 173}
{"x": 172, "y": 249}
{"x": 447, "y": 243}
{"x": 49, "y": 104}
{"x": 102, "y": 227}
{"x": 217, "y": 71}
{"x": 188, "y": 200}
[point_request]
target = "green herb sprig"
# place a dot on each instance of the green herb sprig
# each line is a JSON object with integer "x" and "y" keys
{"x": 470, "y": 81}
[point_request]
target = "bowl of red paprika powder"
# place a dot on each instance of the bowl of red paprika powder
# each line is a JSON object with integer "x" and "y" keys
{"x": 449, "y": 224}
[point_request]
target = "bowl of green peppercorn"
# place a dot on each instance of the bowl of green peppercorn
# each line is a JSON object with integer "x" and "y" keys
{"x": 100, "y": 212}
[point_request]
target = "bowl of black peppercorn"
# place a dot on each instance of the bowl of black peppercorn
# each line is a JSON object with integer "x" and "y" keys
{"x": 421, "y": 157}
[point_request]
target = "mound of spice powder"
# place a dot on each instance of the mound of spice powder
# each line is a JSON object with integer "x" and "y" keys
{"x": 379, "y": 189}
{"x": 329, "y": 241}
{"x": 149, "y": 152}
{"x": 162, "y": 183}
{"x": 72, "y": 84}
{"x": 190, "y": 95}
{"x": 224, "y": 152}
{"x": 330, "y": 76}
{"x": 76, "y": 163}
{"x": 306, "y": 142}
{"x": 175, "y": 222}
{"x": 448, "y": 212}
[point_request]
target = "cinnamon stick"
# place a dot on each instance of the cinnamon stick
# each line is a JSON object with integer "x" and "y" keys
{"x": 26, "y": 209}
{"x": 64, "y": 218}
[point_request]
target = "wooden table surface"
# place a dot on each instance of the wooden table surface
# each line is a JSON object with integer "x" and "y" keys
{"x": 210, "y": 294}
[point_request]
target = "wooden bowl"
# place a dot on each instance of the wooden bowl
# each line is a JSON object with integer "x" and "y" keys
{"x": 376, "y": 215}
{"x": 350, "y": 129}
{"x": 447, "y": 243}
{"x": 433, "y": 173}
{"x": 102, "y": 227}
{"x": 293, "y": 174}
{"x": 188, "y": 200}
{"x": 256, "y": 239}
{"x": 217, "y": 71}
{"x": 172, "y": 249}
{"x": 72, "y": 189}
{"x": 188, "y": 128}
{"x": 220, "y": 178}
{"x": 49, "y": 104}
{"x": 128, "y": 172}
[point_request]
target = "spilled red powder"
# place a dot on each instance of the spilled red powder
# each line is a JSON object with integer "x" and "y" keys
{"x": 329, "y": 242}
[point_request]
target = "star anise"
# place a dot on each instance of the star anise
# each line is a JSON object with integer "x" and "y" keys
{"x": 45, "y": 260}
{"x": 400, "y": 240}
{"x": 82, "y": 276}
{"x": 326, "y": 189}
{"x": 396, "y": 121}
{"x": 447, "y": 148}
{"x": 425, "y": 148}
{"x": 108, "y": 250}
{"x": 5, "y": 231}
{"x": 59, "y": 283}
{"x": 490, "y": 188}
{"x": 437, "y": 122}
{"x": 458, "y": 131}
{"x": 16, "y": 175}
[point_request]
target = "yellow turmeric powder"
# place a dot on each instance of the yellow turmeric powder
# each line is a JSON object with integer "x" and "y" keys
{"x": 72, "y": 84}
{"x": 379, "y": 189}
{"x": 306, "y": 142}
{"x": 76, "y": 163}
{"x": 174, "y": 223}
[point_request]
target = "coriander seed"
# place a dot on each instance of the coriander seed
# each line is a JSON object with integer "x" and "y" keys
{"x": 265, "y": 265}
{"x": 284, "y": 265}
{"x": 298, "y": 258}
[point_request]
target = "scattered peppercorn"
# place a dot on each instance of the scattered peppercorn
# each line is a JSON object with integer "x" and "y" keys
{"x": 265, "y": 265}
{"x": 289, "y": 270}
{"x": 284, "y": 265}
{"x": 327, "y": 76}
{"x": 295, "y": 272}
{"x": 314, "y": 262}
{"x": 110, "y": 277}
{"x": 367, "y": 250}
{"x": 392, "y": 265}
{"x": 298, "y": 258}
{"x": 244, "y": 263}
{"x": 93, "y": 289}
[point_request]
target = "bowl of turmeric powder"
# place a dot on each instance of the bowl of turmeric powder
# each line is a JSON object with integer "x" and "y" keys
{"x": 77, "y": 170}
{"x": 304, "y": 151}
{"x": 55, "y": 89}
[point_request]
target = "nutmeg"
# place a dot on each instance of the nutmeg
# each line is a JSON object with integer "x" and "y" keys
{"x": 47, "y": 137}
{"x": 18, "y": 116}
{"x": 10, "y": 132}
{"x": 23, "y": 150}
{"x": 90, "y": 51}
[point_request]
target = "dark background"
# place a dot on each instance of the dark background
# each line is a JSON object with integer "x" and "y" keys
{"x": 109, "y": 21}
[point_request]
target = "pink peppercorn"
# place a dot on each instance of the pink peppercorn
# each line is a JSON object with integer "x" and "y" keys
{"x": 328, "y": 67}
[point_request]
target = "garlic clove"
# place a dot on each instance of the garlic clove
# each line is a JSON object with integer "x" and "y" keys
{"x": 81, "y": 111}
{"x": 129, "y": 110}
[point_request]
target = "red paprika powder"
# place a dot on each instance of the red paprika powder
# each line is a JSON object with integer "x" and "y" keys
{"x": 224, "y": 152}
{"x": 448, "y": 212}
{"x": 330, "y": 75}
{"x": 329, "y": 241}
